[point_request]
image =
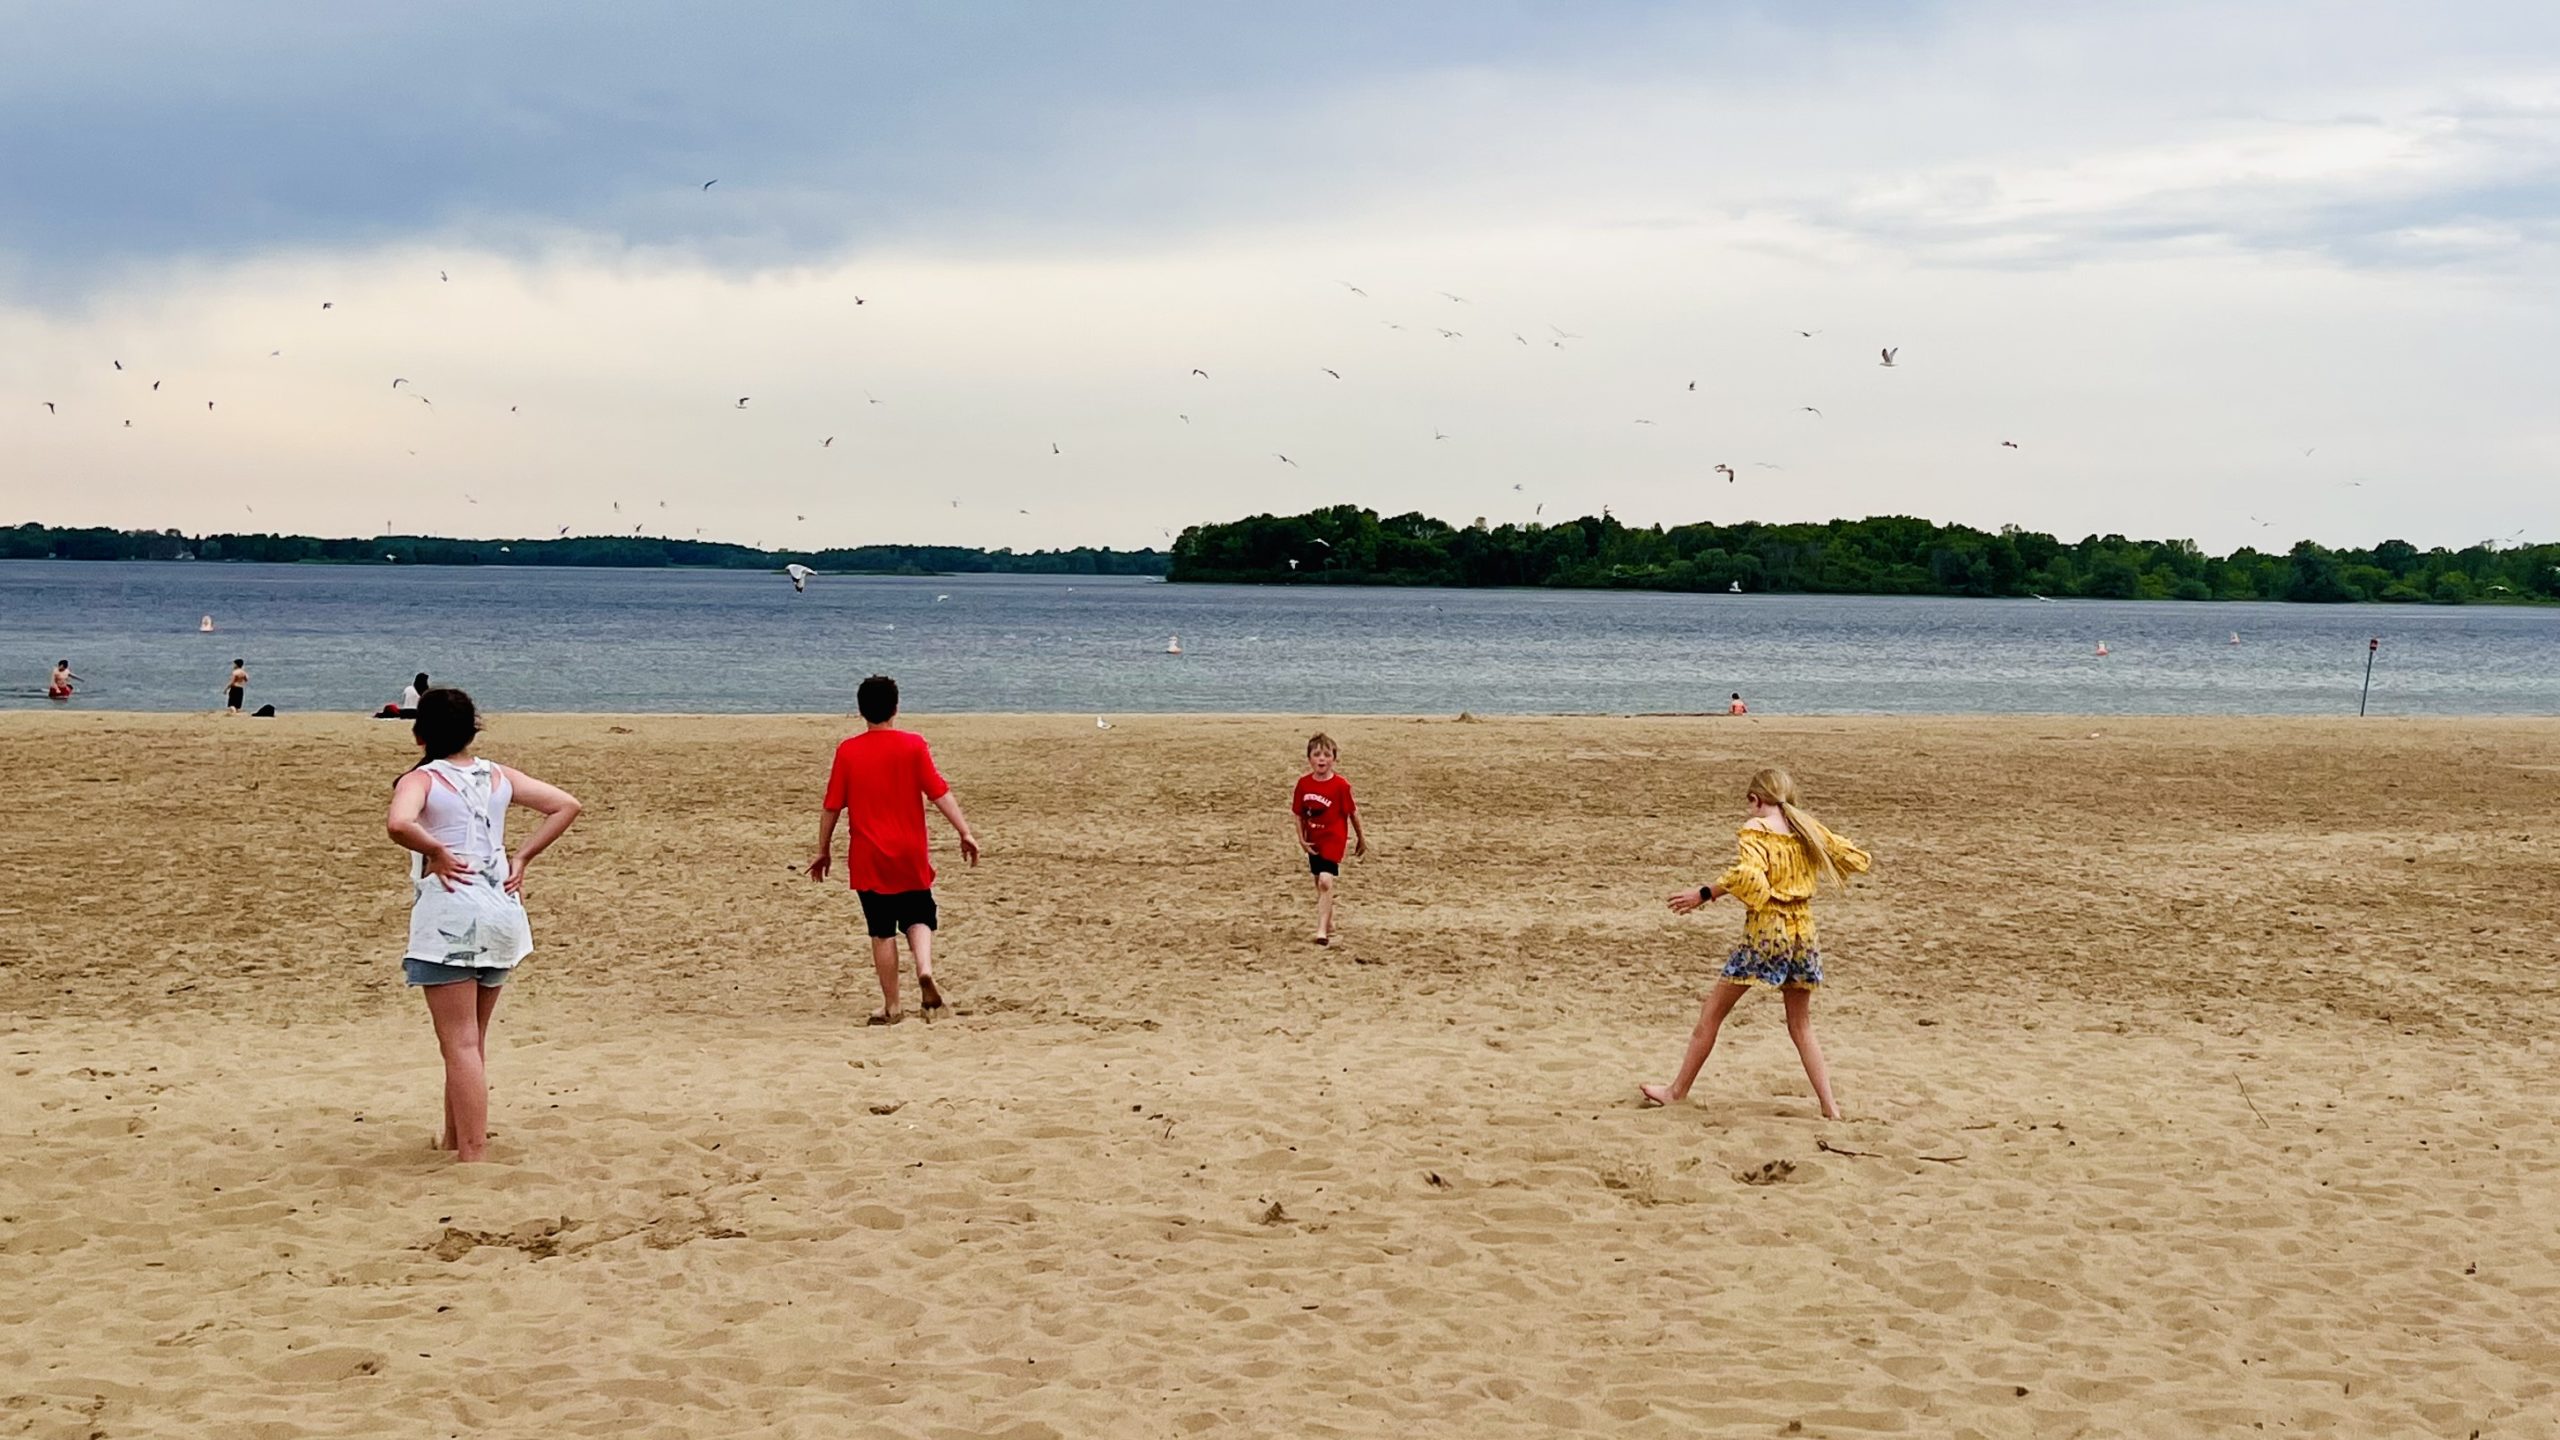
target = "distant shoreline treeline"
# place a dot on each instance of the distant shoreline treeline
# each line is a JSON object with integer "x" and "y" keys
{"x": 1881, "y": 555}
{"x": 43, "y": 542}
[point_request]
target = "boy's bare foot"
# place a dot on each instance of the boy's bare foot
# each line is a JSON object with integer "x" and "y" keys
{"x": 1324, "y": 939}
{"x": 1655, "y": 1094}
{"x": 886, "y": 1017}
{"x": 932, "y": 997}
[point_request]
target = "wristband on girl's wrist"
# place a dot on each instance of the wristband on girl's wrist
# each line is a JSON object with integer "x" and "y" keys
{"x": 1706, "y": 894}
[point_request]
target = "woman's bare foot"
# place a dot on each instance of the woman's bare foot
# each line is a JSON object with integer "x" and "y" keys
{"x": 886, "y": 1017}
{"x": 1655, "y": 1094}
{"x": 1834, "y": 1113}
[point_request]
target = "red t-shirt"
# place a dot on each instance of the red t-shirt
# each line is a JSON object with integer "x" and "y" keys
{"x": 1325, "y": 808}
{"x": 880, "y": 781}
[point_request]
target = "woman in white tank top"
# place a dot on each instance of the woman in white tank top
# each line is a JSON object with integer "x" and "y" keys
{"x": 467, "y": 928}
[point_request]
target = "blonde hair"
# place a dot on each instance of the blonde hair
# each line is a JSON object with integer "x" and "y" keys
{"x": 1776, "y": 787}
{"x": 1322, "y": 741}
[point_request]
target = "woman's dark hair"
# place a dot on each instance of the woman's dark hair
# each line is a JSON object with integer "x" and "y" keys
{"x": 420, "y": 684}
{"x": 447, "y": 720}
{"x": 877, "y": 699}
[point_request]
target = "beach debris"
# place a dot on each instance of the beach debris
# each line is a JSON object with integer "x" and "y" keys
{"x": 1434, "y": 1181}
{"x": 1827, "y": 1146}
{"x": 1767, "y": 1172}
{"x": 890, "y": 1107}
{"x": 1275, "y": 1215}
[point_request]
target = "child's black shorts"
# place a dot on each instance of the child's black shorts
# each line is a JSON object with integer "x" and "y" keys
{"x": 892, "y": 915}
{"x": 1318, "y": 865}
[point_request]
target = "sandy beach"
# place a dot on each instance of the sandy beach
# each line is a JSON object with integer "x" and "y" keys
{"x": 2199, "y": 1074}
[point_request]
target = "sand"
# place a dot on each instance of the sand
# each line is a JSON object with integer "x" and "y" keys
{"x": 2200, "y": 1076}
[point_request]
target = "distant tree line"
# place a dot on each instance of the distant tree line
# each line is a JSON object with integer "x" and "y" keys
{"x": 44, "y": 542}
{"x": 1881, "y": 555}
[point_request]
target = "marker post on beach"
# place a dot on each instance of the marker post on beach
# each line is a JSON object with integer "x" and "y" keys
{"x": 2372, "y": 647}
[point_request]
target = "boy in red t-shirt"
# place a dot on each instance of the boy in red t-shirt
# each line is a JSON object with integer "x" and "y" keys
{"x": 1325, "y": 812}
{"x": 877, "y": 781}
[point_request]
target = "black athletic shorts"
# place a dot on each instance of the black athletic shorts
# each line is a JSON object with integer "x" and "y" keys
{"x": 1318, "y": 865}
{"x": 237, "y": 694}
{"x": 892, "y": 915}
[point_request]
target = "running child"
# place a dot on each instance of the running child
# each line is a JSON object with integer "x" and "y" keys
{"x": 59, "y": 687}
{"x": 1784, "y": 854}
{"x": 1325, "y": 813}
{"x": 467, "y": 929}
{"x": 880, "y": 781}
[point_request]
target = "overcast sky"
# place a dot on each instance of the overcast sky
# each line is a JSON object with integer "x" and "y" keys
{"x": 2245, "y": 272}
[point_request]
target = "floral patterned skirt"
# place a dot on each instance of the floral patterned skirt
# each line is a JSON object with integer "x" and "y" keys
{"x": 1778, "y": 949}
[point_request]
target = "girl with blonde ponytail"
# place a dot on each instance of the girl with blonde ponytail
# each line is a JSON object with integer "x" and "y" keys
{"x": 1784, "y": 856}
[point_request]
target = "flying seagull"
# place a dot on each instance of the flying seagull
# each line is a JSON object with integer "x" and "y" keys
{"x": 128, "y": 424}
{"x": 1283, "y": 459}
{"x": 1727, "y": 472}
{"x": 443, "y": 276}
{"x": 707, "y": 184}
{"x": 799, "y": 577}
{"x": 120, "y": 365}
{"x": 1054, "y": 450}
{"x": 1196, "y": 370}
{"x": 208, "y": 405}
{"x": 325, "y": 305}
{"x": 828, "y": 443}
{"x": 1185, "y": 419}
{"x": 49, "y": 410}
{"x": 1451, "y": 334}
{"x": 1808, "y": 334}
{"x": 400, "y": 381}
{"x": 1644, "y": 422}
{"x": 742, "y": 401}
{"x": 874, "y": 399}
{"x": 1693, "y": 384}
{"x": 155, "y": 384}
{"x": 1889, "y": 352}
{"x": 1354, "y": 289}
{"x": 1437, "y": 435}
{"x": 1461, "y": 299}
{"x": 1329, "y": 370}
{"x": 2009, "y": 444}
{"x": 1808, "y": 407}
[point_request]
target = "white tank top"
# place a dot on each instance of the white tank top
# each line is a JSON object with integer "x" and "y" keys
{"x": 466, "y": 811}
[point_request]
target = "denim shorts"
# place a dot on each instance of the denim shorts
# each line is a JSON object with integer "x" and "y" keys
{"x": 430, "y": 972}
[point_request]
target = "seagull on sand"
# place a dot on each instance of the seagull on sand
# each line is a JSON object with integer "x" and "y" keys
{"x": 799, "y": 577}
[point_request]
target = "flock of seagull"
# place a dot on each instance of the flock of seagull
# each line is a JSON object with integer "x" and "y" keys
{"x": 1888, "y": 357}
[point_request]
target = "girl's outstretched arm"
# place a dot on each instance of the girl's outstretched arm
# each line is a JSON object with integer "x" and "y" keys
{"x": 559, "y": 810}
{"x": 1748, "y": 879}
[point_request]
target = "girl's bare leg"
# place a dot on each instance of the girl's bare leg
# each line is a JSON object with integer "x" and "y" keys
{"x": 455, "y": 1008}
{"x": 488, "y": 1009}
{"x": 1324, "y": 907}
{"x": 1808, "y": 1049}
{"x": 1702, "y": 1043}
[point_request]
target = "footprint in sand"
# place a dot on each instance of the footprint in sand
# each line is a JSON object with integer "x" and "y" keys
{"x": 1767, "y": 1172}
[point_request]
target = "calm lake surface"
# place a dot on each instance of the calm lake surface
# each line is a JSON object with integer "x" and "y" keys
{"x": 346, "y": 639}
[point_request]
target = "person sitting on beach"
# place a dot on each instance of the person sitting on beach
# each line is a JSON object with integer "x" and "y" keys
{"x": 877, "y": 779}
{"x": 1784, "y": 854}
{"x": 409, "y": 697}
{"x": 1737, "y": 707}
{"x": 1321, "y": 801}
{"x": 239, "y": 685}
{"x": 59, "y": 687}
{"x": 467, "y": 927}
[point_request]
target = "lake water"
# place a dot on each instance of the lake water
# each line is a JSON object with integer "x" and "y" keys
{"x": 346, "y": 639}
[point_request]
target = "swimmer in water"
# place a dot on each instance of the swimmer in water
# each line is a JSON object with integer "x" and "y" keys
{"x": 59, "y": 687}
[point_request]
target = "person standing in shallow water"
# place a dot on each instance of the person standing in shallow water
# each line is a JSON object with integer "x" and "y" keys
{"x": 467, "y": 927}
{"x": 1783, "y": 854}
{"x": 239, "y": 690}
